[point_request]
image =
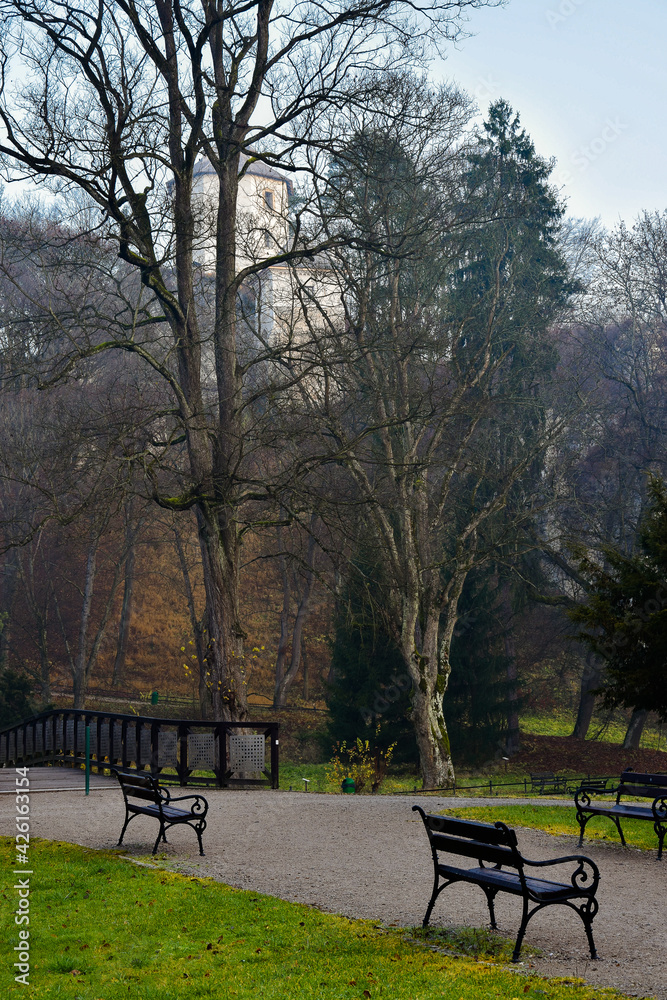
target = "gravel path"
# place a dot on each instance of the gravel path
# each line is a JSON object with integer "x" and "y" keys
{"x": 319, "y": 849}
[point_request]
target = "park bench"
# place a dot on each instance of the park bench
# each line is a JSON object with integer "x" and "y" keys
{"x": 546, "y": 782}
{"x": 501, "y": 868}
{"x": 144, "y": 797}
{"x": 632, "y": 785}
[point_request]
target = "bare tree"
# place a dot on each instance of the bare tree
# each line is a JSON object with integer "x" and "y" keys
{"x": 619, "y": 340}
{"x": 436, "y": 403}
{"x": 118, "y": 100}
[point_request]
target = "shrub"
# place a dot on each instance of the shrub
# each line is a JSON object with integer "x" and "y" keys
{"x": 365, "y": 765}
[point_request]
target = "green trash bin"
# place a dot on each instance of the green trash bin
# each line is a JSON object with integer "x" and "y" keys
{"x": 348, "y": 786}
{"x": 154, "y": 697}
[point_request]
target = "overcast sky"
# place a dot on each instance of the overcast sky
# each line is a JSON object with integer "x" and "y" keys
{"x": 589, "y": 80}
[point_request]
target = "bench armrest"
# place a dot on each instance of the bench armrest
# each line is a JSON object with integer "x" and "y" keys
{"x": 659, "y": 807}
{"x": 200, "y": 807}
{"x": 580, "y": 876}
{"x": 582, "y": 796}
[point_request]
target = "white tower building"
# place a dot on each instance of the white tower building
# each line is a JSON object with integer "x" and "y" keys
{"x": 275, "y": 297}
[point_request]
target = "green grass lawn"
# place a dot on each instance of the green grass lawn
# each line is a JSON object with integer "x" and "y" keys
{"x": 103, "y": 928}
{"x": 292, "y": 775}
{"x": 559, "y": 722}
{"x": 560, "y": 820}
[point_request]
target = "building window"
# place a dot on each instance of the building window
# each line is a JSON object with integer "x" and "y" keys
{"x": 268, "y": 200}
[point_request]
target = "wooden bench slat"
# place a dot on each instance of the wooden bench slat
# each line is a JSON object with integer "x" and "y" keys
{"x": 484, "y": 832}
{"x": 474, "y": 849}
{"x": 511, "y": 882}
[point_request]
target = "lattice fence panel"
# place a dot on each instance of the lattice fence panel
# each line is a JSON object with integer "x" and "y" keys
{"x": 3, "y": 753}
{"x": 117, "y": 743}
{"x": 59, "y": 735}
{"x": 12, "y": 746}
{"x": 167, "y": 749}
{"x": 69, "y": 735}
{"x": 104, "y": 739}
{"x": 145, "y": 746}
{"x": 39, "y": 739}
{"x": 201, "y": 751}
{"x": 29, "y": 741}
{"x": 19, "y": 743}
{"x": 246, "y": 752}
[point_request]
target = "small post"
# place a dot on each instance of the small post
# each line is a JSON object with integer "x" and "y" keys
{"x": 87, "y": 760}
{"x": 306, "y": 782}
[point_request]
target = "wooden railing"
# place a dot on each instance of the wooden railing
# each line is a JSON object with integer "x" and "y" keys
{"x": 180, "y": 751}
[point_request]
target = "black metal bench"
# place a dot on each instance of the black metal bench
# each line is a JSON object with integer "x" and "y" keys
{"x": 495, "y": 849}
{"x": 546, "y": 782}
{"x": 144, "y": 797}
{"x": 633, "y": 784}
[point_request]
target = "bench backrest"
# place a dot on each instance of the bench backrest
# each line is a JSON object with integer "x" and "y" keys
{"x": 139, "y": 786}
{"x": 493, "y": 844}
{"x": 636, "y": 783}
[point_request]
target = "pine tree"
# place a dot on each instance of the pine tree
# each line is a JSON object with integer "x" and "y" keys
{"x": 624, "y": 618}
{"x": 475, "y": 708}
{"x": 370, "y": 686}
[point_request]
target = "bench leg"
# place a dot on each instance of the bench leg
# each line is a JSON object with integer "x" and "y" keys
{"x": 160, "y": 836}
{"x": 490, "y": 896}
{"x": 128, "y": 817}
{"x": 587, "y": 913}
{"x": 618, "y": 827}
{"x": 660, "y": 830}
{"x": 582, "y": 820}
{"x": 431, "y": 904}
{"x": 522, "y": 930}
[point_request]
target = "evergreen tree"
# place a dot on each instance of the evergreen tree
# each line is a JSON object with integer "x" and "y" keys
{"x": 370, "y": 685}
{"x": 15, "y": 698}
{"x": 624, "y": 618}
{"x": 475, "y": 708}
{"x": 457, "y": 370}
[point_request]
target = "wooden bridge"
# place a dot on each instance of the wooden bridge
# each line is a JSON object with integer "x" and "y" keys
{"x": 180, "y": 751}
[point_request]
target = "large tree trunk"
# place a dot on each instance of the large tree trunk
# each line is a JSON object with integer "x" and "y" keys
{"x": 229, "y": 694}
{"x": 590, "y": 681}
{"x": 429, "y": 669}
{"x": 635, "y": 729}
{"x": 198, "y": 626}
{"x": 218, "y": 528}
